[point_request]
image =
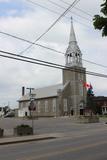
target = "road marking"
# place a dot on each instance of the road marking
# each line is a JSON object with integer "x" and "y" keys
{"x": 67, "y": 150}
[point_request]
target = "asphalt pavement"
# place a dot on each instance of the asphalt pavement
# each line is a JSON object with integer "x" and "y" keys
{"x": 54, "y": 138}
{"x": 83, "y": 145}
{"x": 47, "y": 128}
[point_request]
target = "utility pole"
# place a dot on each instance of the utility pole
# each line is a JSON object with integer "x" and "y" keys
{"x": 32, "y": 106}
{"x": 31, "y": 96}
{"x": 30, "y": 90}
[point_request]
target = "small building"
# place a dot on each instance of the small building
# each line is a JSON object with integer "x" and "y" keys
{"x": 101, "y": 104}
{"x": 61, "y": 99}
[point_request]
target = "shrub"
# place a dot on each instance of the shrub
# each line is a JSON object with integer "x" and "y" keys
{"x": 23, "y": 130}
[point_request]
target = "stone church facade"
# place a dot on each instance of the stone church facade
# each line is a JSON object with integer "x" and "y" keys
{"x": 68, "y": 98}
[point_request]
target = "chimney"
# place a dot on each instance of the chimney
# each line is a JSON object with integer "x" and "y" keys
{"x": 23, "y": 91}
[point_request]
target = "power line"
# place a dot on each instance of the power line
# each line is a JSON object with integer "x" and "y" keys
{"x": 48, "y": 64}
{"x": 69, "y": 11}
{"x": 63, "y": 14}
{"x": 33, "y": 43}
{"x": 53, "y": 11}
{"x": 26, "y": 57}
{"x": 45, "y": 47}
{"x": 101, "y": 65}
{"x": 81, "y": 10}
{"x": 37, "y": 4}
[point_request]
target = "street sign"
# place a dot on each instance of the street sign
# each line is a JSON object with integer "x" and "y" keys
{"x": 32, "y": 106}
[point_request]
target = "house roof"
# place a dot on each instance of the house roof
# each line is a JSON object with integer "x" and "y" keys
{"x": 46, "y": 92}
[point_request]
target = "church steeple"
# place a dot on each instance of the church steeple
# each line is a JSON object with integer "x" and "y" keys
{"x": 73, "y": 54}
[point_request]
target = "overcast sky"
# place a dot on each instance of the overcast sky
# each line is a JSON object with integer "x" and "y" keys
{"x": 23, "y": 19}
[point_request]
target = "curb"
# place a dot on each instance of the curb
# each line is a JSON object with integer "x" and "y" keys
{"x": 25, "y": 140}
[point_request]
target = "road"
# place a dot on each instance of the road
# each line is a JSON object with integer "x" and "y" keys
{"x": 76, "y": 142}
{"x": 88, "y": 146}
{"x": 48, "y": 125}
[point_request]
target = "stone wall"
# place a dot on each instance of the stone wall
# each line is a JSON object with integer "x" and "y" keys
{"x": 77, "y": 91}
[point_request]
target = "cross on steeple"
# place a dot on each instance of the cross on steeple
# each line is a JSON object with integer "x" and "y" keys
{"x": 73, "y": 54}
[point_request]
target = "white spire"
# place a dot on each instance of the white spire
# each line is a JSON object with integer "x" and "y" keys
{"x": 73, "y": 54}
{"x": 72, "y": 37}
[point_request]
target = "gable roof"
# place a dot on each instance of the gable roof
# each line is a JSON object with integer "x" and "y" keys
{"x": 46, "y": 92}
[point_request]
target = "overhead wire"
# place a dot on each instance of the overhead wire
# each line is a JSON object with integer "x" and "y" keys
{"x": 60, "y": 6}
{"x": 81, "y": 10}
{"x": 64, "y": 13}
{"x": 48, "y": 64}
{"x": 53, "y": 11}
{"x": 51, "y": 26}
{"x": 51, "y": 49}
{"x": 25, "y": 40}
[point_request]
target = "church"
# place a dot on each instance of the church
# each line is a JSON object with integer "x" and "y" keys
{"x": 68, "y": 98}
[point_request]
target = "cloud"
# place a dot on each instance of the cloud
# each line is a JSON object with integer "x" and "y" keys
{"x": 30, "y": 25}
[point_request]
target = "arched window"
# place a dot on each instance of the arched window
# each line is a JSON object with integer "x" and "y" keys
{"x": 70, "y": 54}
{"x": 54, "y": 105}
{"x": 46, "y": 106}
{"x": 39, "y": 109}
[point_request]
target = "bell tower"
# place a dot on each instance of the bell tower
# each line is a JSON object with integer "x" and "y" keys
{"x": 75, "y": 74}
{"x": 73, "y": 54}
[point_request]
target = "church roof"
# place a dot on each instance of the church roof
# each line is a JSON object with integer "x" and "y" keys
{"x": 46, "y": 92}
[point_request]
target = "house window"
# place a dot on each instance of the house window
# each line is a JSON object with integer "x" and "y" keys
{"x": 39, "y": 109}
{"x": 46, "y": 106}
{"x": 54, "y": 105}
{"x": 65, "y": 105}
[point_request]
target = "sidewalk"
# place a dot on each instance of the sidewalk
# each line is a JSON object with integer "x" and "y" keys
{"x": 21, "y": 139}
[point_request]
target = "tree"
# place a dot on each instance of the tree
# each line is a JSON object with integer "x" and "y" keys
{"x": 90, "y": 100}
{"x": 90, "y": 96}
{"x": 100, "y": 22}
